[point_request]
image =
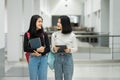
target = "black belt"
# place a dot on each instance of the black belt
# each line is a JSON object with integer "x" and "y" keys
{"x": 61, "y": 53}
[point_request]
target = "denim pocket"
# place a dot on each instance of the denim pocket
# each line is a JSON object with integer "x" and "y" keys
{"x": 69, "y": 59}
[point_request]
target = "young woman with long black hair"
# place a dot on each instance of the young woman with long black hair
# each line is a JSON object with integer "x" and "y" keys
{"x": 38, "y": 56}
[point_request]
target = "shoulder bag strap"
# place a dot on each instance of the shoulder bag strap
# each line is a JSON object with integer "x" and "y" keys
{"x": 28, "y": 35}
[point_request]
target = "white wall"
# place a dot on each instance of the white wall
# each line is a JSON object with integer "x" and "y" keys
{"x": 96, "y": 15}
{"x": 105, "y": 14}
{"x": 30, "y": 7}
{"x": 2, "y": 39}
{"x": 92, "y": 6}
{"x": 28, "y": 11}
{"x": 92, "y": 14}
{"x": 2, "y": 25}
{"x": 45, "y": 13}
{"x": 19, "y": 16}
{"x": 114, "y": 17}
{"x": 37, "y": 6}
{"x": 96, "y": 5}
{"x": 14, "y": 29}
{"x": 73, "y": 7}
{"x": 46, "y": 20}
{"x": 115, "y": 26}
{"x": 57, "y": 7}
{"x": 88, "y": 7}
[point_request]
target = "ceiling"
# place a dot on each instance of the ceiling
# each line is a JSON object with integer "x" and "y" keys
{"x": 52, "y": 3}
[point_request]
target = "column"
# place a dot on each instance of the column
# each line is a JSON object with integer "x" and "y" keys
{"x": 115, "y": 27}
{"x": 15, "y": 25}
{"x": 104, "y": 41}
{"x": 2, "y": 38}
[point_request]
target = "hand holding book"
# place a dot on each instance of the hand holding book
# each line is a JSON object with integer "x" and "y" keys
{"x": 55, "y": 48}
{"x": 68, "y": 50}
{"x": 35, "y": 43}
{"x": 41, "y": 49}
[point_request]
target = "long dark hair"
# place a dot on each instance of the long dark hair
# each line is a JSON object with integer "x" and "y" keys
{"x": 32, "y": 27}
{"x": 66, "y": 25}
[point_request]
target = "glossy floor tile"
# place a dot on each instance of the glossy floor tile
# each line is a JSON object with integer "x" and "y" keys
{"x": 82, "y": 71}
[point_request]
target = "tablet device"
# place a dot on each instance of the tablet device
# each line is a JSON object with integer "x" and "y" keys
{"x": 61, "y": 48}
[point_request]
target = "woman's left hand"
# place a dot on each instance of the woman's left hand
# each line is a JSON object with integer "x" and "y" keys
{"x": 41, "y": 49}
{"x": 68, "y": 50}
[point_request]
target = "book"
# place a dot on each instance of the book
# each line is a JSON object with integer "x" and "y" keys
{"x": 61, "y": 48}
{"x": 35, "y": 43}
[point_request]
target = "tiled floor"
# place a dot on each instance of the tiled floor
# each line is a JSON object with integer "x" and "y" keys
{"x": 82, "y": 71}
{"x": 84, "y": 68}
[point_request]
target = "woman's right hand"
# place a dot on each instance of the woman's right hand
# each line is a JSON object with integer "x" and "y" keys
{"x": 35, "y": 53}
{"x": 55, "y": 48}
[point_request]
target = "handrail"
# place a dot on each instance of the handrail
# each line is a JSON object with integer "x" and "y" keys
{"x": 105, "y": 35}
{"x": 103, "y": 39}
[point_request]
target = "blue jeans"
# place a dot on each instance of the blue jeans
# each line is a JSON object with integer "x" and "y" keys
{"x": 63, "y": 66}
{"x": 38, "y": 68}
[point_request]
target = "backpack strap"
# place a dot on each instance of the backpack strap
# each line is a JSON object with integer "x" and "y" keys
{"x": 27, "y": 53}
{"x": 28, "y": 35}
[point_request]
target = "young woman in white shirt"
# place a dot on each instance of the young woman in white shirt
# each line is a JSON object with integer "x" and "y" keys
{"x": 63, "y": 56}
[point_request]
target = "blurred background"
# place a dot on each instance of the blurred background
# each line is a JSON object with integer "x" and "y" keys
{"x": 96, "y": 24}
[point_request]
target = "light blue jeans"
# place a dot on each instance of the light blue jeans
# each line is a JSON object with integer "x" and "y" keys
{"x": 38, "y": 68}
{"x": 63, "y": 66}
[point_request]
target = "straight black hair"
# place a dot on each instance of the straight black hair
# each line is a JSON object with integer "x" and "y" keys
{"x": 66, "y": 25}
{"x": 32, "y": 26}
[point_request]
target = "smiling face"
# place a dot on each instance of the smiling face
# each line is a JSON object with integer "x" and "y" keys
{"x": 59, "y": 25}
{"x": 39, "y": 23}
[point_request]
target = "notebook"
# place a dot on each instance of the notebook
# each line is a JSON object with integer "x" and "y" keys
{"x": 35, "y": 43}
